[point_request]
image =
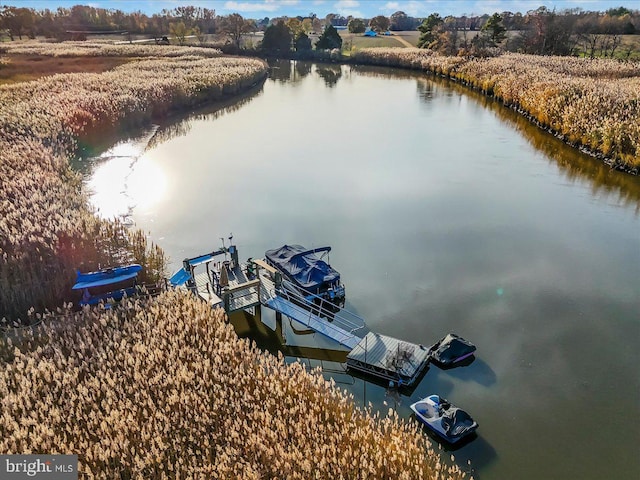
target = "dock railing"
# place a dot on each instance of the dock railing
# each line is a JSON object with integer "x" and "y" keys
{"x": 314, "y": 307}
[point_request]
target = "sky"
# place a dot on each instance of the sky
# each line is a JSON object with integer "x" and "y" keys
{"x": 356, "y": 8}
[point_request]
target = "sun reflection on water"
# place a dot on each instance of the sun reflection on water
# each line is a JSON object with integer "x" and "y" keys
{"x": 120, "y": 184}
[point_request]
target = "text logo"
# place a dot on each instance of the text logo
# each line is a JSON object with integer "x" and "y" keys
{"x": 45, "y": 467}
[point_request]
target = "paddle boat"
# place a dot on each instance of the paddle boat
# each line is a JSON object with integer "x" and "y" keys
{"x": 450, "y": 350}
{"x": 107, "y": 284}
{"x": 446, "y": 420}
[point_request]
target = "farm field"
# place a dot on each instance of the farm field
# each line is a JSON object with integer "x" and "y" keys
{"x": 23, "y": 68}
{"x": 359, "y": 41}
{"x": 629, "y": 48}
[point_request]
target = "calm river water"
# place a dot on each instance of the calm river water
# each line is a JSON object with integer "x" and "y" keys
{"x": 446, "y": 213}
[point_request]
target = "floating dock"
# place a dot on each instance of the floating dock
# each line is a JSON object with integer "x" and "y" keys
{"x": 389, "y": 358}
{"x": 233, "y": 286}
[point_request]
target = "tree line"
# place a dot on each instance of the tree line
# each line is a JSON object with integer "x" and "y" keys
{"x": 81, "y": 20}
{"x": 541, "y": 31}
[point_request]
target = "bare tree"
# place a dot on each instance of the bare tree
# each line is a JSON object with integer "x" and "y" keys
{"x": 235, "y": 26}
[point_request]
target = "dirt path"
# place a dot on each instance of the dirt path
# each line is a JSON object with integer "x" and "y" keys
{"x": 403, "y": 41}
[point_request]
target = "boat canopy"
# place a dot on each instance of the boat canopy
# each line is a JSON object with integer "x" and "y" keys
{"x": 302, "y": 265}
{"x": 179, "y": 278}
{"x": 108, "y": 276}
{"x": 194, "y": 262}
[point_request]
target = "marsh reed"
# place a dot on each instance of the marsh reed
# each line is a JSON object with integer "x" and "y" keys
{"x": 166, "y": 389}
{"x": 163, "y": 387}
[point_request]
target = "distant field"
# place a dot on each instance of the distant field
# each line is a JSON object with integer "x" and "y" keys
{"x": 358, "y": 41}
{"x": 411, "y": 36}
{"x": 629, "y": 47}
{"x": 22, "y": 68}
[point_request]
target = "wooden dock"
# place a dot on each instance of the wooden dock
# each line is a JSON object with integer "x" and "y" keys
{"x": 233, "y": 286}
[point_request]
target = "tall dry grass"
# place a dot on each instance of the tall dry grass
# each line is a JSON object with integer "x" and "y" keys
{"x": 167, "y": 390}
{"x": 46, "y": 228}
{"x": 164, "y": 388}
{"x": 107, "y": 48}
{"x": 593, "y": 103}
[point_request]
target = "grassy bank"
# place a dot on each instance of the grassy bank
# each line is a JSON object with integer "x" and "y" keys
{"x": 46, "y": 227}
{"x": 593, "y": 104}
{"x": 167, "y": 390}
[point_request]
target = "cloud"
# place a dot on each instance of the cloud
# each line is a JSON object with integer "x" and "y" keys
{"x": 395, "y": 6}
{"x": 412, "y": 8}
{"x": 343, "y": 4}
{"x": 348, "y": 7}
{"x": 263, "y": 6}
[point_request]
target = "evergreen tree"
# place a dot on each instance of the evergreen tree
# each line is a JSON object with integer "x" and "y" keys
{"x": 277, "y": 38}
{"x": 495, "y": 29}
{"x": 302, "y": 43}
{"x": 429, "y": 29}
{"x": 329, "y": 39}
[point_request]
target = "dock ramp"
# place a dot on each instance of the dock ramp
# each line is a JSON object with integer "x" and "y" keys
{"x": 338, "y": 324}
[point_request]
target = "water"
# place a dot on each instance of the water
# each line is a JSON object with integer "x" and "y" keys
{"x": 446, "y": 213}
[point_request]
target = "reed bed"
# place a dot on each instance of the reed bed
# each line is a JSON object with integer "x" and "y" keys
{"x": 46, "y": 227}
{"x": 166, "y": 389}
{"x": 103, "y": 49}
{"x": 590, "y": 103}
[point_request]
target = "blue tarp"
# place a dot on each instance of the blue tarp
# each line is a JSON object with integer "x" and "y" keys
{"x": 303, "y": 266}
{"x": 106, "y": 277}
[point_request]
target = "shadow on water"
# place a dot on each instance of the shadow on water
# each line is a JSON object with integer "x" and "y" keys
{"x": 145, "y": 138}
{"x": 472, "y": 454}
{"x": 274, "y": 340}
{"x": 475, "y": 370}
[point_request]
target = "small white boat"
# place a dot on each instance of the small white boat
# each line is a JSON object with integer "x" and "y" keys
{"x": 448, "y": 421}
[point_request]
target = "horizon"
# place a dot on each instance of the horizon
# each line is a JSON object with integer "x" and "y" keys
{"x": 257, "y": 9}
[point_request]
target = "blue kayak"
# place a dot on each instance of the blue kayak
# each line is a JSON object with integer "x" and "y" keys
{"x": 107, "y": 284}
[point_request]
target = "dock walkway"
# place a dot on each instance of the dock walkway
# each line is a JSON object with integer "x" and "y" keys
{"x": 234, "y": 286}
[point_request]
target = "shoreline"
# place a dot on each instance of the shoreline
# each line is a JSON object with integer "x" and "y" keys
{"x": 451, "y": 72}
